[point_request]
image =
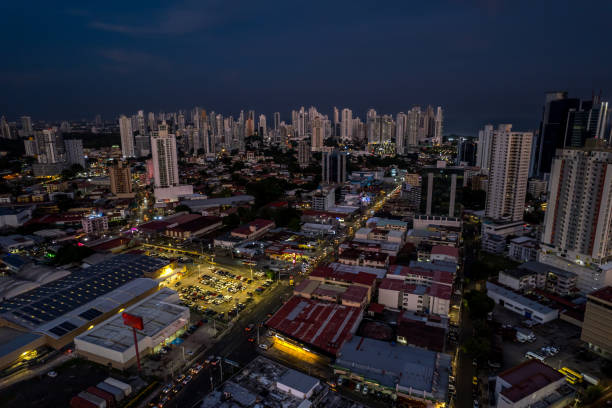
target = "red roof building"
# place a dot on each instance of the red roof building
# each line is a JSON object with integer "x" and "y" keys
{"x": 532, "y": 380}
{"x": 253, "y": 229}
{"x": 321, "y": 325}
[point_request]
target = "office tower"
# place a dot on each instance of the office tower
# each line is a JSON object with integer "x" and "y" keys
{"x": 26, "y": 126}
{"x": 151, "y": 123}
{"x": 181, "y": 121}
{"x": 276, "y": 120}
{"x": 346, "y": 126}
{"x": 31, "y": 147}
{"x": 336, "y": 117}
{"x": 303, "y": 153}
{"x": 333, "y": 166}
{"x": 5, "y": 130}
{"x": 262, "y": 125}
{"x": 120, "y": 178}
{"x": 413, "y": 119}
{"x": 142, "y": 129}
{"x": 437, "y": 134}
{"x": 466, "y": 151}
{"x": 74, "y": 151}
{"x": 442, "y": 186}
{"x": 165, "y": 164}
{"x": 400, "y": 132}
{"x": 127, "y": 137}
{"x": 551, "y": 135}
{"x": 48, "y": 142}
{"x": 588, "y": 122}
{"x": 578, "y": 222}
{"x": 508, "y": 174}
{"x": 483, "y": 155}
{"x": 318, "y": 134}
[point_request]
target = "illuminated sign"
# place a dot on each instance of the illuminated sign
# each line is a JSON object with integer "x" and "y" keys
{"x": 132, "y": 321}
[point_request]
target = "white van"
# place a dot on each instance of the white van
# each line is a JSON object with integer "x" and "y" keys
{"x": 531, "y": 355}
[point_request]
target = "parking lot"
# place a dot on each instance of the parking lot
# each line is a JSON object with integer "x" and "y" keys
{"x": 219, "y": 293}
{"x": 562, "y": 335}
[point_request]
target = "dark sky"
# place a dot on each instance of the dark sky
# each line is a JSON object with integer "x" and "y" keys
{"x": 483, "y": 61}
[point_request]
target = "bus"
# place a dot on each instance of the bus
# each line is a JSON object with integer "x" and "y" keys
{"x": 531, "y": 355}
{"x": 567, "y": 371}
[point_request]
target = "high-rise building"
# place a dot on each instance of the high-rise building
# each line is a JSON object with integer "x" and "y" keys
{"x": 262, "y": 126}
{"x": 551, "y": 135}
{"x": 5, "y": 130}
{"x": 151, "y": 123}
{"x": 346, "y": 126}
{"x": 336, "y": 116}
{"x": 466, "y": 151}
{"x": 303, "y": 153}
{"x": 49, "y": 143}
{"x": 165, "y": 164}
{"x": 74, "y": 152}
{"x": 483, "y": 154}
{"x": 120, "y": 178}
{"x": 31, "y": 147}
{"x": 127, "y": 137}
{"x": 318, "y": 134}
{"x": 333, "y": 166}
{"x": 140, "y": 120}
{"x": 400, "y": 132}
{"x": 597, "y": 325}
{"x": 587, "y": 122}
{"x": 437, "y": 134}
{"x": 442, "y": 186}
{"x": 276, "y": 120}
{"x": 413, "y": 119}
{"x": 578, "y": 223}
{"x": 26, "y": 126}
{"x": 98, "y": 120}
{"x": 181, "y": 121}
{"x": 508, "y": 174}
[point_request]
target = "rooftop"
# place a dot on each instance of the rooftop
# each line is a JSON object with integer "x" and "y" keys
{"x": 527, "y": 378}
{"x": 411, "y": 368}
{"x": 445, "y": 250}
{"x": 542, "y": 268}
{"x": 531, "y": 304}
{"x": 323, "y": 325}
{"x": 604, "y": 294}
{"x": 196, "y": 224}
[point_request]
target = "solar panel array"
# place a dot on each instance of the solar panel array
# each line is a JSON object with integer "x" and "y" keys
{"x": 57, "y": 298}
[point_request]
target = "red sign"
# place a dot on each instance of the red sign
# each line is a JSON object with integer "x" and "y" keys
{"x": 132, "y": 321}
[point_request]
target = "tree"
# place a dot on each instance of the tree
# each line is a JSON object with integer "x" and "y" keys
{"x": 477, "y": 347}
{"x": 232, "y": 220}
{"x": 479, "y": 304}
{"x": 71, "y": 253}
{"x": 592, "y": 394}
{"x": 182, "y": 207}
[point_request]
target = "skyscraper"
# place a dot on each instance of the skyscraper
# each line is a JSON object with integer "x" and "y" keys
{"x": 508, "y": 175}
{"x": 303, "y": 153}
{"x": 165, "y": 164}
{"x": 74, "y": 152}
{"x": 26, "y": 126}
{"x": 400, "y": 132}
{"x": 483, "y": 154}
{"x": 437, "y": 134}
{"x": 142, "y": 129}
{"x": 336, "y": 117}
{"x": 262, "y": 126}
{"x": 333, "y": 166}
{"x": 587, "y": 122}
{"x": 276, "y": 120}
{"x": 5, "y": 130}
{"x": 551, "y": 135}
{"x": 120, "y": 178}
{"x": 318, "y": 134}
{"x": 48, "y": 142}
{"x": 346, "y": 126}
{"x": 127, "y": 137}
{"x": 412, "y": 127}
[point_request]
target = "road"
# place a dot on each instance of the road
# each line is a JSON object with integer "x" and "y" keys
{"x": 233, "y": 346}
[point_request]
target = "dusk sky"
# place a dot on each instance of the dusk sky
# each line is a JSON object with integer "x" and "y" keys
{"x": 482, "y": 61}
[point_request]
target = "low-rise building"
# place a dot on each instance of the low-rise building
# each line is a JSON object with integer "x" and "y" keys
{"x": 523, "y": 249}
{"x": 95, "y": 224}
{"x": 521, "y": 305}
{"x": 530, "y": 384}
{"x": 14, "y": 216}
{"x": 494, "y": 235}
{"x": 408, "y": 372}
{"x": 195, "y": 228}
{"x": 536, "y": 275}
{"x": 398, "y": 295}
{"x": 253, "y": 229}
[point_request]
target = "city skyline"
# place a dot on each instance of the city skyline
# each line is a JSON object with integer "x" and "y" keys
{"x": 93, "y": 61}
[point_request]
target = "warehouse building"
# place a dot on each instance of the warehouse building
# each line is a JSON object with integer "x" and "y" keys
{"x": 526, "y": 307}
{"x": 112, "y": 342}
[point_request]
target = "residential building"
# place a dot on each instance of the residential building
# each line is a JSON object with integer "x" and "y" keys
{"x": 509, "y": 171}
{"x": 120, "y": 178}
{"x": 578, "y": 222}
{"x": 127, "y": 137}
{"x": 317, "y": 133}
{"x": 165, "y": 164}
{"x": 523, "y": 249}
{"x": 95, "y": 224}
{"x": 537, "y": 188}
{"x": 483, "y": 155}
{"x": 536, "y": 275}
{"x": 324, "y": 199}
{"x": 303, "y": 153}
{"x": 346, "y": 125}
{"x": 494, "y": 234}
{"x": 74, "y": 152}
{"x": 597, "y": 325}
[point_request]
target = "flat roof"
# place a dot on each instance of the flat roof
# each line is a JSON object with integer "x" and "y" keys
{"x": 527, "y": 378}
{"x": 216, "y": 202}
{"x": 338, "y": 267}
{"x": 157, "y": 314}
{"x": 11, "y": 340}
{"x": 321, "y": 324}
{"x": 408, "y": 367}
{"x": 298, "y": 381}
{"x": 64, "y": 296}
{"x": 539, "y": 267}
{"x": 604, "y": 294}
{"x": 531, "y": 304}
{"x": 196, "y": 224}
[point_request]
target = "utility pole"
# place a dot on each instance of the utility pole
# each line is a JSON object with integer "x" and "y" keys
{"x": 221, "y": 367}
